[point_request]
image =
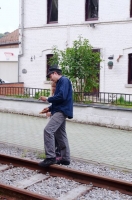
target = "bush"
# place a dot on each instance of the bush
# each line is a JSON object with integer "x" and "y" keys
{"x": 122, "y": 101}
{"x": 45, "y": 93}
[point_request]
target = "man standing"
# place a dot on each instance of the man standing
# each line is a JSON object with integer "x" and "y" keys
{"x": 61, "y": 108}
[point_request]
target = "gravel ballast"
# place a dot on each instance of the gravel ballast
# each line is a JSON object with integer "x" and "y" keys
{"x": 55, "y": 186}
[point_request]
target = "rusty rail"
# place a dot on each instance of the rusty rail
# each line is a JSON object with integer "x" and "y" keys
{"x": 21, "y": 194}
{"x": 82, "y": 177}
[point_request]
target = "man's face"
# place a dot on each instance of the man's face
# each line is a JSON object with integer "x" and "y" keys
{"x": 53, "y": 77}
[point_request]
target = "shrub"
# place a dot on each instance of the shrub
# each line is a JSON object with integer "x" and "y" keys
{"x": 45, "y": 93}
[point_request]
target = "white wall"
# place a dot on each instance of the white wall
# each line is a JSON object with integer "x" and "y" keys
{"x": 112, "y": 35}
{"x": 9, "y": 64}
{"x": 9, "y": 71}
{"x": 10, "y": 57}
{"x": 110, "y": 117}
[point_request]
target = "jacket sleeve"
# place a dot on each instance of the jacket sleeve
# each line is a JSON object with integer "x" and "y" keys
{"x": 50, "y": 108}
{"x": 62, "y": 92}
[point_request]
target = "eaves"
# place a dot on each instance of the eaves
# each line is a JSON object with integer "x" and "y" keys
{"x": 13, "y": 43}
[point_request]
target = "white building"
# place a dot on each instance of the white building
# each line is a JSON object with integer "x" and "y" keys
{"x": 106, "y": 24}
{"x": 9, "y": 50}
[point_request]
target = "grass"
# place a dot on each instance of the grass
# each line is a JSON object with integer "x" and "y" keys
{"x": 24, "y": 153}
{"x": 122, "y": 102}
{"x": 36, "y": 96}
{"x": 19, "y": 96}
{"x": 41, "y": 155}
{"x": 79, "y": 98}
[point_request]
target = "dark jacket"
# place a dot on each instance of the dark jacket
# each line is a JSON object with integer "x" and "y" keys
{"x": 62, "y": 99}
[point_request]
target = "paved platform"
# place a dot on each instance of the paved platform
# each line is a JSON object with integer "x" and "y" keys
{"x": 91, "y": 143}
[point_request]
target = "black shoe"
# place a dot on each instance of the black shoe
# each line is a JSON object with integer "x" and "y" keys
{"x": 47, "y": 162}
{"x": 63, "y": 162}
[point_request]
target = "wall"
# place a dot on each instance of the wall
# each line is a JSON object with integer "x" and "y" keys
{"x": 9, "y": 71}
{"x": 12, "y": 89}
{"x": 9, "y": 64}
{"x": 112, "y": 35}
{"x": 13, "y": 57}
{"x": 114, "y": 117}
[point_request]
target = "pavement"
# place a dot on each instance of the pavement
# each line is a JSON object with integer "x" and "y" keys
{"x": 87, "y": 142}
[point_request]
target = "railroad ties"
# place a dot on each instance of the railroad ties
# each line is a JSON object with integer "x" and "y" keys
{"x": 32, "y": 176}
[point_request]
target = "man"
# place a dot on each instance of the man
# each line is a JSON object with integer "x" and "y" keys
{"x": 61, "y": 108}
{"x": 48, "y": 115}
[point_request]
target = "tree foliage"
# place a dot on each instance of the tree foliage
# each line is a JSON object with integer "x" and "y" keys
{"x": 3, "y": 34}
{"x": 80, "y": 64}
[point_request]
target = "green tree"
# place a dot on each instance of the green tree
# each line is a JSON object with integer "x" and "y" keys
{"x": 3, "y": 34}
{"x": 80, "y": 64}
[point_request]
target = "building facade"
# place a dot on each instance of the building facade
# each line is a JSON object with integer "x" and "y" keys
{"x": 106, "y": 24}
{"x": 9, "y": 49}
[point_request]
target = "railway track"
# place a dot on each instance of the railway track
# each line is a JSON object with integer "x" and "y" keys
{"x": 84, "y": 182}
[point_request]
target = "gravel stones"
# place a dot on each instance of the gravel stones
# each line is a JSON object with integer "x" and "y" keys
{"x": 56, "y": 186}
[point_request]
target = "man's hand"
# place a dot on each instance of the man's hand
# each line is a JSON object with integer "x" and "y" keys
{"x": 45, "y": 110}
{"x": 48, "y": 114}
{"x": 43, "y": 98}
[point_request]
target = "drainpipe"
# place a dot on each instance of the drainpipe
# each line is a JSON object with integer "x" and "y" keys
{"x": 21, "y": 26}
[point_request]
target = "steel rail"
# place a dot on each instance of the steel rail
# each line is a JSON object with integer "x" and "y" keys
{"x": 82, "y": 177}
{"x": 21, "y": 194}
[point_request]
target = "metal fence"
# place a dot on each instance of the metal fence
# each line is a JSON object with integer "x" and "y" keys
{"x": 24, "y": 92}
{"x": 78, "y": 97}
{"x": 103, "y": 98}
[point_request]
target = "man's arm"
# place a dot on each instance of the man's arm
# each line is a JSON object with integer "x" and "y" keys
{"x": 43, "y": 98}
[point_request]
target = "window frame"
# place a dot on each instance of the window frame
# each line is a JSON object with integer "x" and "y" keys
{"x": 49, "y": 4}
{"x": 87, "y": 11}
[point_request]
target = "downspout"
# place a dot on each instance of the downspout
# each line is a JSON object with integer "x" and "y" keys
{"x": 21, "y": 26}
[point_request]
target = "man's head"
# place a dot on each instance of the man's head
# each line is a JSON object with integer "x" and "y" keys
{"x": 54, "y": 74}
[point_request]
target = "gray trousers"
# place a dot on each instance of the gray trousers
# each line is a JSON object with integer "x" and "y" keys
{"x": 56, "y": 129}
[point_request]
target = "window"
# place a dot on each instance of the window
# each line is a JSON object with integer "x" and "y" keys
{"x": 52, "y": 11}
{"x": 130, "y": 69}
{"x": 131, "y": 8}
{"x": 91, "y": 9}
{"x": 48, "y": 65}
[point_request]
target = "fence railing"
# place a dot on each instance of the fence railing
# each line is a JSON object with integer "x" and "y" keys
{"x": 103, "y": 98}
{"x": 24, "y": 92}
{"x": 78, "y": 97}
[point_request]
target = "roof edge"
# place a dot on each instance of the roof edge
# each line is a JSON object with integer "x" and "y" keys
{"x": 7, "y": 44}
